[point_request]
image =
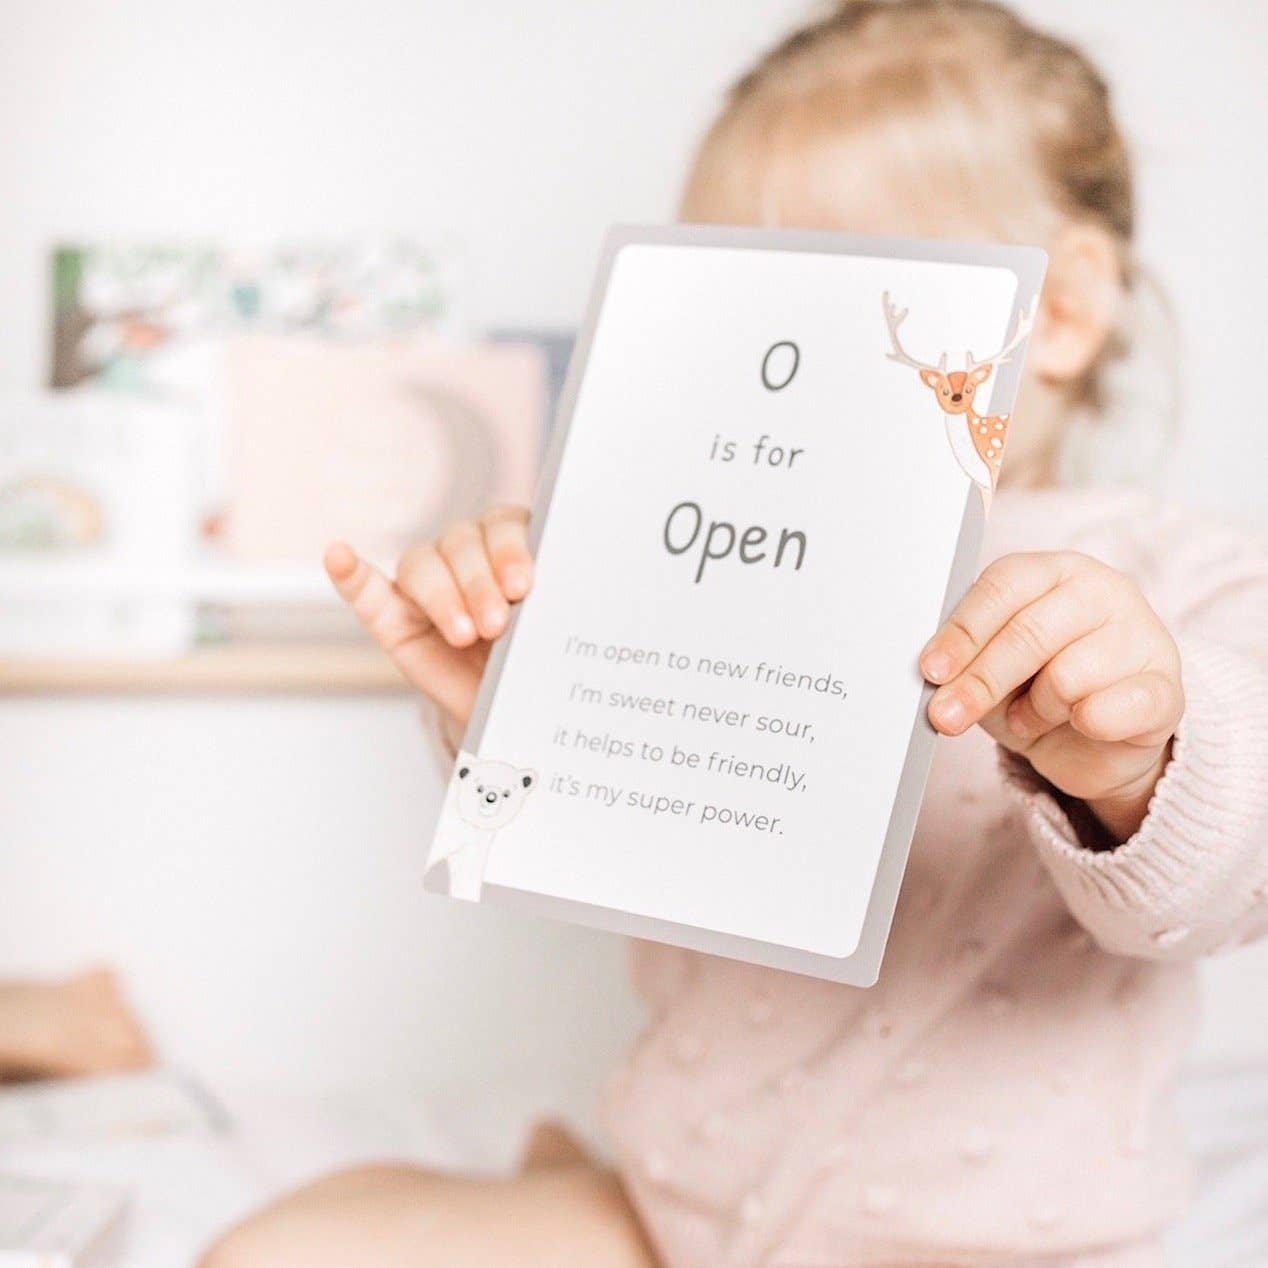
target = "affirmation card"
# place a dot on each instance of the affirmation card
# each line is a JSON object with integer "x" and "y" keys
{"x": 766, "y": 488}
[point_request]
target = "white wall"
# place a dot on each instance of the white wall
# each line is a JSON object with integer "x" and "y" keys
{"x": 524, "y": 130}
{"x": 253, "y": 867}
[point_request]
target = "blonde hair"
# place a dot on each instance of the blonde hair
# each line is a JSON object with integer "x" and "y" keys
{"x": 951, "y": 93}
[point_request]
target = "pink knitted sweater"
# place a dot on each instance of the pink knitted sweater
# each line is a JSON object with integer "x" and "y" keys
{"x": 1001, "y": 1096}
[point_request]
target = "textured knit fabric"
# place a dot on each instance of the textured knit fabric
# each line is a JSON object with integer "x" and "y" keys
{"x": 1001, "y": 1096}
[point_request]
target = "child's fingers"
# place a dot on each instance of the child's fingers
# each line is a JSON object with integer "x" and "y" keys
{"x": 1145, "y": 708}
{"x": 506, "y": 542}
{"x": 462, "y": 548}
{"x": 452, "y": 676}
{"x": 1092, "y": 663}
{"x": 370, "y": 595}
{"x": 340, "y": 562}
{"x": 1003, "y": 589}
{"x": 425, "y": 578}
{"x": 1028, "y": 641}
{"x": 406, "y": 633}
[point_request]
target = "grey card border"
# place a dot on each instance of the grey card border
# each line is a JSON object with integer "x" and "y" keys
{"x": 862, "y": 966}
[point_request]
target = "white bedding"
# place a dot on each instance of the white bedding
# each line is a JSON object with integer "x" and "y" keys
{"x": 188, "y": 1186}
{"x": 1226, "y": 1116}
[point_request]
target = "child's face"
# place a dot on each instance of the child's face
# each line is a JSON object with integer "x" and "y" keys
{"x": 846, "y": 186}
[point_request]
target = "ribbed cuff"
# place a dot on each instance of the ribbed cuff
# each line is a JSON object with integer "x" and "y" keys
{"x": 1197, "y": 868}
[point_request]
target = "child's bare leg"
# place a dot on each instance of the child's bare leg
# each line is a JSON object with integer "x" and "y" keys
{"x": 405, "y": 1217}
{"x": 551, "y": 1144}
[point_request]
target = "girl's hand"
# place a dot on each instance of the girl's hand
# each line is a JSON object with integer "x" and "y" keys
{"x": 450, "y": 600}
{"x": 1060, "y": 658}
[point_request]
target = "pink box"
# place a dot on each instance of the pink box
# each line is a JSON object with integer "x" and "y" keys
{"x": 377, "y": 443}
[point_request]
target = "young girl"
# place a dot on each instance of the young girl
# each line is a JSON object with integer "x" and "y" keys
{"x": 1001, "y": 1096}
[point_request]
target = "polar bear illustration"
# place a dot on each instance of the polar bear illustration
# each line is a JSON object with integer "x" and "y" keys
{"x": 483, "y": 797}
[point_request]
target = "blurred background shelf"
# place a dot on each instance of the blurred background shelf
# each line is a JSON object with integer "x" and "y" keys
{"x": 334, "y": 667}
{"x": 204, "y": 579}
{"x": 263, "y": 628}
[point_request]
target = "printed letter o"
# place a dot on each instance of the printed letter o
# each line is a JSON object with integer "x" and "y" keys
{"x": 695, "y": 532}
{"x": 780, "y": 365}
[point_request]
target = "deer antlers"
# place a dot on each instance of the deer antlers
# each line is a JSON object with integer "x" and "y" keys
{"x": 895, "y": 316}
{"x": 1025, "y": 323}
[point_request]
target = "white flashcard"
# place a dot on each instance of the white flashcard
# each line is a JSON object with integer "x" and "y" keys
{"x": 766, "y": 488}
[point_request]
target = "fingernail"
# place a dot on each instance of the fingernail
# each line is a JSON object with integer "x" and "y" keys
{"x": 1018, "y": 724}
{"x": 463, "y": 627}
{"x": 948, "y": 713}
{"x": 516, "y": 583}
{"x": 494, "y": 619}
{"x": 936, "y": 666}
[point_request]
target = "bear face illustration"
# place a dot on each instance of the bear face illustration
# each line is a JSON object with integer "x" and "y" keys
{"x": 490, "y": 794}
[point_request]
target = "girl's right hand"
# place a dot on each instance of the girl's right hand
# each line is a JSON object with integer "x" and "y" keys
{"x": 450, "y": 600}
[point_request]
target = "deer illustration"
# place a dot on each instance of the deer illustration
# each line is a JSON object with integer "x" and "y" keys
{"x": 977, "y": 441}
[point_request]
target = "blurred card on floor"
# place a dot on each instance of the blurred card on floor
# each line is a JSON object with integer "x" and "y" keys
{"x": 148, "y": 1103}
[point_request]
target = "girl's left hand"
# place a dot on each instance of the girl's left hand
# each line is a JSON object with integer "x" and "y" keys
{"x": 1061, "y": 658}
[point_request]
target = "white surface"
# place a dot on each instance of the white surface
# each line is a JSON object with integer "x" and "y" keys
{"x": 254, "y": 868}
{"x": 47, "y": 1224}
{"x": 143, "y": 1101}
{"x": 1225, "y": 1117}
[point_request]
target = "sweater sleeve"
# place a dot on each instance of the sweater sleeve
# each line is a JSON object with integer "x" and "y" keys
{"x": 1194, "y": 877}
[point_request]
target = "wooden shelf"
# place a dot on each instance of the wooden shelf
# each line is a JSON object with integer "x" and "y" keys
{"x": 316, "y": 668}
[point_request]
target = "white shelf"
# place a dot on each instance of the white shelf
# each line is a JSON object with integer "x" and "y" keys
{"x": 203, "y": 579}
{"x": 323, "y": 664}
